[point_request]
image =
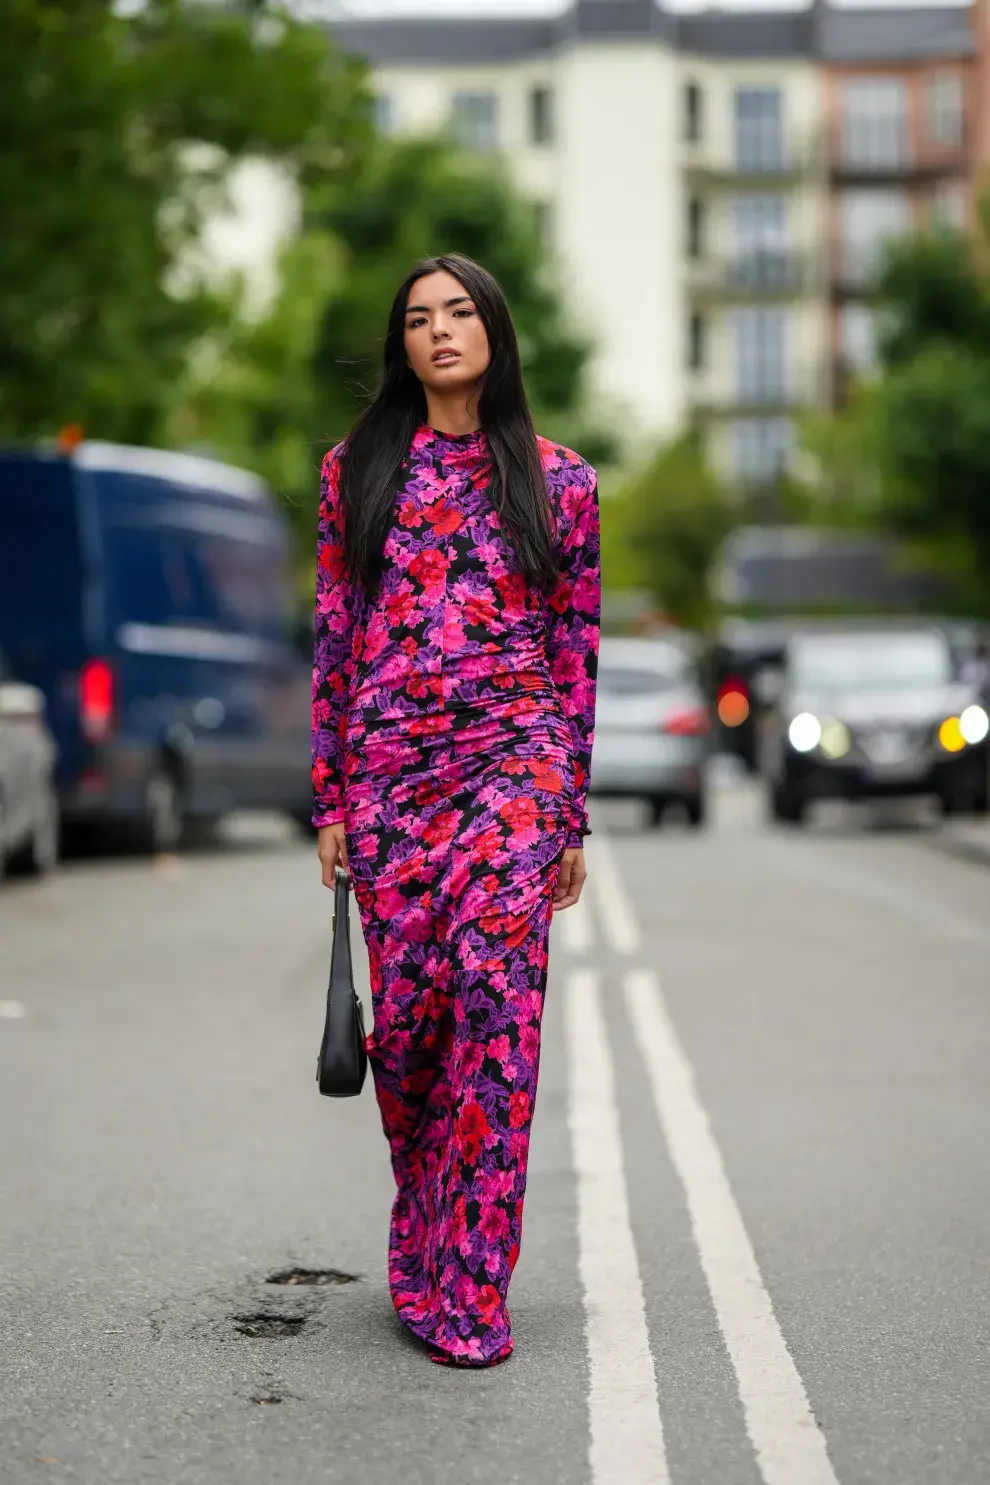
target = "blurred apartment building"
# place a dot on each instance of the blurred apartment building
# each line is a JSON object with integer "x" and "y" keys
{"x": 716, "y": 186}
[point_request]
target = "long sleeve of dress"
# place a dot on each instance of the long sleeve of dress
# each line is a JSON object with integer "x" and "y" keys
{"x": 332, "y": 651}
{"x": 572, "y": 640}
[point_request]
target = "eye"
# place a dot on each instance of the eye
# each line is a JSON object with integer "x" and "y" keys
{"x": 415, "y": 324}
{"x": 467, "y": 313}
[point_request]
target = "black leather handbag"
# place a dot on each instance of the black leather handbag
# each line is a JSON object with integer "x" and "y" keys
{"x": 343, "y": 1062}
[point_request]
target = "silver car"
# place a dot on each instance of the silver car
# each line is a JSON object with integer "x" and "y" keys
{"x": 653, "y": 725}
{"x": 28, "y": 800}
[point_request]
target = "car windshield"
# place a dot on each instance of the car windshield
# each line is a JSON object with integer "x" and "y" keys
{"x": 642, "y": 676}
{"x": 873, "y": 662}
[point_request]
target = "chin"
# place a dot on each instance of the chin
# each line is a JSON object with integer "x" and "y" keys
{"x": 451, "y": 379}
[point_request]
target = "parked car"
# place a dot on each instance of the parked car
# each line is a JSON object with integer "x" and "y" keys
{"x": 28, "y": 798}
{"x": 652, "y": 727}
{"x": 149, "y": 595}
{"x": 875, "y": 712}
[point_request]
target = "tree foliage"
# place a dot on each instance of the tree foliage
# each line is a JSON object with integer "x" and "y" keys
{"x": 911, "y": 455}
{"x": 675, "y": 516}
{"x": 103, "y": 191}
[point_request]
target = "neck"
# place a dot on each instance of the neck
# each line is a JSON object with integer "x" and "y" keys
{"x": 452, "y": 413}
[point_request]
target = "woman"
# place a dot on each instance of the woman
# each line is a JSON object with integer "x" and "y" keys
{"x": 457, "y": 606}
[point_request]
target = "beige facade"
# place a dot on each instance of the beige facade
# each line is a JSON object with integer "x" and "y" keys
{"x": 618, "y": 179}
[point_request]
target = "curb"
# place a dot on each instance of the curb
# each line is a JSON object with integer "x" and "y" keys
{"x": 964, "y": 847}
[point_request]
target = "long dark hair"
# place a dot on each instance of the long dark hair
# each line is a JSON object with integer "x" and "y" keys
{"x": 371, "y": 465}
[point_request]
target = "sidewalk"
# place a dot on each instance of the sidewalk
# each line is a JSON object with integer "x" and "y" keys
{"x": 969, "y": 839}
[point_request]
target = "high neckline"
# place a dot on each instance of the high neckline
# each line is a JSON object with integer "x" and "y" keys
{"x": 476, "y": 436}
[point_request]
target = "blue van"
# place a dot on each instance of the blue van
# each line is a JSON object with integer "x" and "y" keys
{"x": 150, "y": 596}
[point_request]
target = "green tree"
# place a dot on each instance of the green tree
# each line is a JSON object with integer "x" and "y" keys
{"x": 674, "y": 516}
{"x": 910, "y": 456}
{"x": 279, "y": 392}
{"x": 103, "y": 192}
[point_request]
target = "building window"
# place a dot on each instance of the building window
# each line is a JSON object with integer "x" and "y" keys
{"x": 696, "y": 227}
{"x": 945, "y": 108}
{"x": 869, "y": 220}
{"x": 475, "y": 120}
{"x": 383, "y": 113}
{"x": 760, "y": 336}
{"x": 759, "y": 129}
{"x": 759, "y": 238}
{"x": 876, "y": 133}
{"x": 761, "y": 449}
{"x": 949, "y": 204}
{"x": 858, "y": 337}
{"x": 541, "y": 129}
{"x": 694, "y": 122}
{"x": 696, "y": 342}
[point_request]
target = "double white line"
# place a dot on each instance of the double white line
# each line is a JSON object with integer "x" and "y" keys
{"x": 627, "y": 1442}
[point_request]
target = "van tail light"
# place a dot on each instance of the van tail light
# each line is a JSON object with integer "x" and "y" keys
{"x": 689, "y": 721}
{"x": 96, "y": 700}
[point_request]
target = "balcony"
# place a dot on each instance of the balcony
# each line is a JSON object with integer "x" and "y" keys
{"x": 760, "y": 161}
{"x": 885, "y": 153}
{"x": 778, "y": 391}
{"x": 766, "y": 273}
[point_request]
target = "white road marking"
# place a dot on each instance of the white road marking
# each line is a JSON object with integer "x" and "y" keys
{"x": 576, "y": 929}
{"x": 790, "y": 1449}
{"x": 12, "y": 1010}
{"x": 618, "y": 920}
{"x": 627, "y": 1444}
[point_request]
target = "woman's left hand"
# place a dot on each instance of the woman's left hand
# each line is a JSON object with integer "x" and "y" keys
{"x": 571, "y": 879}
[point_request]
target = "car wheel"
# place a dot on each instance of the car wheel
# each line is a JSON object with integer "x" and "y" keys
{"x": 787, "y": 805}
{"x": 159, "y": 828}
{"x": 658, "y": 807}
{"x": 697, "y": 810}
{"x": 37, "y": 857}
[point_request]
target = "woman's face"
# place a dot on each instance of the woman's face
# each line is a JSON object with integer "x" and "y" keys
{"x": 446, "y": 344}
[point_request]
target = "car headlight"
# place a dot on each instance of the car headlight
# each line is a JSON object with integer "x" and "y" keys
{"x": 835, "y": 740}
{"x": 804, "y": 733}
{"x": 974, "y": 724}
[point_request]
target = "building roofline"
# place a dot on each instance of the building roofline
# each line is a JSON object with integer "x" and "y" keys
{"x": 824, "y": 33}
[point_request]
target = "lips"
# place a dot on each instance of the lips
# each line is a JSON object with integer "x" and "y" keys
{"x": 440, "y": 358}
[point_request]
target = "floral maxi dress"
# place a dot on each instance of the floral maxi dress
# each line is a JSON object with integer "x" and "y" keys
{"x": 453, "y": 718}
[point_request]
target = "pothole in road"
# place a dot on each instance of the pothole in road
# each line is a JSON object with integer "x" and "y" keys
{"x": 266, "y": 1400}
{"x": 266, "y": 1327}
{"x": 317, "y": 1278}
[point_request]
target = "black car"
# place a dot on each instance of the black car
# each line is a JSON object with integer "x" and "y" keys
{"x": 872, "y": 713}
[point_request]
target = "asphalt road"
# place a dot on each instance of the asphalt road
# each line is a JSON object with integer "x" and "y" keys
{"x": 756, "y": 1244}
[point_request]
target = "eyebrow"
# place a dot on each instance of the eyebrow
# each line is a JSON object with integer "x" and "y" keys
{"x": 424, "y": 309}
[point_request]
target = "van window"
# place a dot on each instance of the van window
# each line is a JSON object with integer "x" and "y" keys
{"x": 150, "y": 575}
{"x": 176, "y": 559}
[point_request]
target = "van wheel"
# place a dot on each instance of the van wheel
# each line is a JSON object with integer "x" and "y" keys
{"x": 39, "y": 855}
{"x": 787, "y": 805}
{"x": 159, "y": 829}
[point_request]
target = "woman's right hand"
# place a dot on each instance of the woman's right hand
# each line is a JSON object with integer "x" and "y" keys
{"x": 332, "y": 851}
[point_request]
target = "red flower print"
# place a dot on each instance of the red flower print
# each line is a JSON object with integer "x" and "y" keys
{"x": 546, "y": 777}
{"x": 429, "y": 568}
{"x": 444, "y": 519}
{"x": 487, "y": 1303}
{"x": 521, "y": 814}
{"x": 471, "y": 1130}
{"x": 519, "y": 1104}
